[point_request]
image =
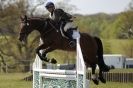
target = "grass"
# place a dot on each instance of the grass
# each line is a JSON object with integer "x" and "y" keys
{"x": 121, "y": 70}
{"x": 112, "y": 85}
{"x": 117, "y": 70}
{"x": 14, "y": 80}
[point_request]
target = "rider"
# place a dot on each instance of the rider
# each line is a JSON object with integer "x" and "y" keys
{"x": 66, "y": 25}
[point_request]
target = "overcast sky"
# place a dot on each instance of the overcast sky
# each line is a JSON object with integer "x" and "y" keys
{"x": 96, "y": 6}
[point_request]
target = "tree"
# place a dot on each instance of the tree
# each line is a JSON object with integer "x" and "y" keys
{"x": 125, "y": 22}
{"x": 10, "y": 48}
{"x": 66, "y": 6}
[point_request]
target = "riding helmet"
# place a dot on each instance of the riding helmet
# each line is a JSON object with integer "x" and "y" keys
{"x": 49, "y": 4}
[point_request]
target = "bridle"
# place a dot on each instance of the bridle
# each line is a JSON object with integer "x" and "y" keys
{"x": 25, "y": 33}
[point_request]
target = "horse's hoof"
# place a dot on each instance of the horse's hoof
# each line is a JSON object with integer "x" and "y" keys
{"x": 95, "y": 81}
{"x": 102, "y": 79}
{"x": 105, "y": 68}
{"x": 44, "y": 59}
{"x": 43, "y": 55}
{"x": 53, "y": 61}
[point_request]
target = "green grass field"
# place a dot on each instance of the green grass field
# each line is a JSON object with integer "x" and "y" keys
{"x": 14, "y": 80}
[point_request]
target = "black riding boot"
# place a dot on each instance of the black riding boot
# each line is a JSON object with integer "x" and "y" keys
{"x": 69, "y": 34}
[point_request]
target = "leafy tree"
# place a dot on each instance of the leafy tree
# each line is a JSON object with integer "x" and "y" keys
{"x": 125, "y": 22}
{"x": 11, "y": 49}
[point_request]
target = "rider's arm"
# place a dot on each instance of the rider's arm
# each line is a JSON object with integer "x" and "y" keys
{"x": 65, "y": 15}
{"x": 68, "y": 16}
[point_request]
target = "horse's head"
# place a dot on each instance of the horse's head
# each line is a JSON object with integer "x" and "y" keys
{"x": 25, "y": 29}
{"x": 43, "y": 25}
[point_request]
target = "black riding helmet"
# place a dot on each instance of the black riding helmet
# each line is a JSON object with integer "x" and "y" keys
{"x": 49, "y": 4}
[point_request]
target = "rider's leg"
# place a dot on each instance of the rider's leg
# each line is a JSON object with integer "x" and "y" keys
{"x": 69, "y": 34}
{"x": 68, "y": 29}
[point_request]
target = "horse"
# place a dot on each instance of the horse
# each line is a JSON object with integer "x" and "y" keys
{"x": 52, "y": 39}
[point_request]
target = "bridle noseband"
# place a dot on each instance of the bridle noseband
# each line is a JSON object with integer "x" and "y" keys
{"x": 25, "y": 33}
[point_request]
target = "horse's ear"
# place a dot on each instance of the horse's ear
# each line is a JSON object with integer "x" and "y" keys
{"x": 22, "y": 17}
{"x": 25, "y": 17}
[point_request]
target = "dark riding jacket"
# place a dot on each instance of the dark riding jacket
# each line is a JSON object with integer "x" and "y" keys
{"x": 61, "y": 16}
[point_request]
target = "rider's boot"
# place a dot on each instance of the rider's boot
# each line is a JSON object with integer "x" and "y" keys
{"x": 69, "y": 34}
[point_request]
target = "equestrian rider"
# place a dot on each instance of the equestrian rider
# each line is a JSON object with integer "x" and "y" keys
{"x": 66, "y": 25}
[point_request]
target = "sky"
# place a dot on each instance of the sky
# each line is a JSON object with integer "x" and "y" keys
{"x": 96, "y": 6}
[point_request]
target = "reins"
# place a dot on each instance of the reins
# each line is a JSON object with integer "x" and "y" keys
{"x": 53, "y": 27}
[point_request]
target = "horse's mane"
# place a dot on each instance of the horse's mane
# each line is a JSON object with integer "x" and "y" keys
{"x": 41, "y": 19}
{"x": 37, "y": 18}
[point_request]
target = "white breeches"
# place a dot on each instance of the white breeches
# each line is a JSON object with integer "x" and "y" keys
{"x": 69, "y": 25}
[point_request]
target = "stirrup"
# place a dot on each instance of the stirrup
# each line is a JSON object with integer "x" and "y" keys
{"x": 72, "y": 43}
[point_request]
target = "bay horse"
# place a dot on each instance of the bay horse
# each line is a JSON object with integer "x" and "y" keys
{"x": 52, "y": 40}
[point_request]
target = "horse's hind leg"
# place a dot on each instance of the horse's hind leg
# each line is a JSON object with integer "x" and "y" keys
{"x": 93, "y": 77}
{"x": 101, "y": 78}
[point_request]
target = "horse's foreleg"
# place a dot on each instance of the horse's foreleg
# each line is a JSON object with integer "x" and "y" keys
{"x": 101, "y": 78}
{"x": 49, "y": 49}
{"x": 44, "y": 52}
{"x": 93, "y": 77}
{"x": 42, "y": 46}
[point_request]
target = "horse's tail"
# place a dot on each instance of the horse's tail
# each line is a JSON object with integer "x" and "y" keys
{"x": 99, "y": 50}
{"x": 101, "y": 62}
